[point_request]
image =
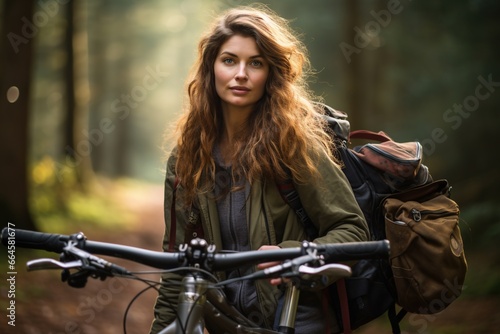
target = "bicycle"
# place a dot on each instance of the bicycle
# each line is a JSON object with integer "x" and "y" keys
{"x": 201, "y": 299}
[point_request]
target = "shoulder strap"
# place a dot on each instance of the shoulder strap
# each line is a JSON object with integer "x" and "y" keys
{"x": 194, "y": 229}
{"x": 380, "y": 136}
{"x": 291, "y": 197}
{"x": 344, "y": 306}
{"x": 173, "y": 219}
{"x": 395, "y": 318}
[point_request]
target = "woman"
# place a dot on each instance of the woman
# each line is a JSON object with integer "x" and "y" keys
{"x": 250, "y": 123}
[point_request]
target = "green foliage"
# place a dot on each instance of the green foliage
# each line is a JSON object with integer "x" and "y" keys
{"x": 480, "y": 224}
{"x": 483, "y": 275}
{"x": 59, "y": 204}
{"x": 480, "y": 227}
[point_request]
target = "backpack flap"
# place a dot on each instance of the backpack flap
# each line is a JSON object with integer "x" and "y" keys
{"x": 401, "y": 160}
{"x": 427, "y": 254}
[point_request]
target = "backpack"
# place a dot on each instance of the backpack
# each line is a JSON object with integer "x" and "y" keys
{"x": 402, "y": 203}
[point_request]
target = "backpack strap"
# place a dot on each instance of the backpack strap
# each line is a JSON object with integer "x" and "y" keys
{"x": 291, "y": 197}
{"x": 194, "y": 229}
{"x": 173, "y": 218}
{"x": 344, "y": 306}
{"x": 395, "y": 319}
{"x": 380, "y": 136}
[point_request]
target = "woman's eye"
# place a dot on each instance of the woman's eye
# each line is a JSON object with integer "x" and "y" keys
{"x": 256, "y": 63}
{"x": 228, "y": 61}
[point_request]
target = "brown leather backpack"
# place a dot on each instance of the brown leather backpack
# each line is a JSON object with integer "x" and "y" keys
{"x": 427, "y": 253}
{"x": 402, "y": 203}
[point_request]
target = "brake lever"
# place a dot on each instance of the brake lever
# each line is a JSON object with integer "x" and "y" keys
{"x": 43, "y": 264}
{"x": 310, "y": 255}
{"x": 98, "y": 263}
{"x": 320, "y": 277}
{"x": 333, "y": 270}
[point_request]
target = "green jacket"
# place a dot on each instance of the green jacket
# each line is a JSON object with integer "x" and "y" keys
{"x": 330, "y": 205}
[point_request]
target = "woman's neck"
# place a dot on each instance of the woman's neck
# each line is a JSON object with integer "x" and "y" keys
{"x": 226, "y": 146}
{"x": 234, "y": 123}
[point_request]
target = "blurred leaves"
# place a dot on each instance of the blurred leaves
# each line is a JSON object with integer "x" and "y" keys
{"x": 58, "y": 204}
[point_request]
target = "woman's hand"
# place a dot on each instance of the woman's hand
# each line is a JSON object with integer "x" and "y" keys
{"x": 273, "y": 281}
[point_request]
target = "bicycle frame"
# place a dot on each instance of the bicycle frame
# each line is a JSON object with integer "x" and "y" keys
{"x": 192, "y": 297}
{"x": 198, "y": 304}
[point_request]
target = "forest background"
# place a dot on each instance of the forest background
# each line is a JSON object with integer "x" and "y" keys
{"x": 89, "y": 89}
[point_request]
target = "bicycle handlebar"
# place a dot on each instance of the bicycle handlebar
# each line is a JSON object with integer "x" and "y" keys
{"x": 220, "y": 261}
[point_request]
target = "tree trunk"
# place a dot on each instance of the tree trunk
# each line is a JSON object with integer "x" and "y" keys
{"x": 81, "y": 142}
{"x": 69, "y": 82}
{"x": 19, "y": 32}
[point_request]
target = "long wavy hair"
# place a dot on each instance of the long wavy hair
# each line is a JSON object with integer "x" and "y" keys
{"x": 283, "y": 137}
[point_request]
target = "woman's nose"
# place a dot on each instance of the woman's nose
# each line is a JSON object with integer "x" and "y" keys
{"x": 242, "y": 72}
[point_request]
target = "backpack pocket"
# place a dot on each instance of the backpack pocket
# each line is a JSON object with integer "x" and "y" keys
{"x": 427, "y": 254}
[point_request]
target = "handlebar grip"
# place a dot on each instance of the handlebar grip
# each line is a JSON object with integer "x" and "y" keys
{"x": 356, "y": 251}
{"x": 36, "y": 240}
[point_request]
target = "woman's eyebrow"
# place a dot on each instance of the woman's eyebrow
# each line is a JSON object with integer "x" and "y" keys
{"x": 236, "y": 56}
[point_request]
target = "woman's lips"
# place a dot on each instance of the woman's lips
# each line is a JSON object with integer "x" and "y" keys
{"x": 239, "y": 90}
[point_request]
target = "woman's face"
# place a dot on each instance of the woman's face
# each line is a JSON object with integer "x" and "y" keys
{"x": 240, "y": 74}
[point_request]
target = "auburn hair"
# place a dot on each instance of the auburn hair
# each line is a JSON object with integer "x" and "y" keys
{"x": 283, "y": 137}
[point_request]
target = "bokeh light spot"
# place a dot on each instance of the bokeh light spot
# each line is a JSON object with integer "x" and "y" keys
{"x": 12, "y": 94}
